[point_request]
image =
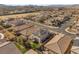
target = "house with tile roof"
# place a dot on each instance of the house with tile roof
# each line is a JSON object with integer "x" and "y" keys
{"x": 60, "y": 44}
{"x": 31, "y": 51}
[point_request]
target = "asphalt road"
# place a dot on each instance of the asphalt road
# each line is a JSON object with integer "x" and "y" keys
{"x": 60, "y": 29}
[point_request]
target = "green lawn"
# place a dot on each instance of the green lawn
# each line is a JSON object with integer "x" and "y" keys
{"x": 21, "y": 48}
{"x": 34, "y": 45}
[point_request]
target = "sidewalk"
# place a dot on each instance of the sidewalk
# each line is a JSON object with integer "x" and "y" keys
{"x": 69, "y": 31}
{"x": 3, "y": 44}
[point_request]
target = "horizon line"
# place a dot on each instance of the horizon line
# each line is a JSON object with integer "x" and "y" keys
{"x": 36, "y": 4}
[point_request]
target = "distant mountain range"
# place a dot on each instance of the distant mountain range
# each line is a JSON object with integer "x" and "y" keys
{"x": 8, "y": 6}
{"x": 6, "y": 9}
{"x": 5, "y": 6}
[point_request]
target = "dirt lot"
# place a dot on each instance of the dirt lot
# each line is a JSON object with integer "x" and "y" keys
{"x": 18, "y": 15}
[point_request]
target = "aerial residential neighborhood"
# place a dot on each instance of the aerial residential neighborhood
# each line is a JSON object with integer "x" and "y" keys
{"x": 39, "y": 29}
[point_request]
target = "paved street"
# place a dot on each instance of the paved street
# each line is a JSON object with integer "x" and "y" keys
{"x": 60, "y": 29}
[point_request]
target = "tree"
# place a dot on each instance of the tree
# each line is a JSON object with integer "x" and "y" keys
{"x": 20, "y": 40}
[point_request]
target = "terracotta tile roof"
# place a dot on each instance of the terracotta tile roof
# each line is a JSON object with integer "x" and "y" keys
{"x": 59, "y": 43}
{"x": 22, "y": 27}
{"x": 75, "y": 49}
{"x": 30, "y": 30}
{"x": 31, "y": 51}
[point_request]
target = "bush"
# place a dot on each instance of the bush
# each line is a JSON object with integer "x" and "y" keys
{"x": 6, "y": 26}
{"x": 21, "y": 48}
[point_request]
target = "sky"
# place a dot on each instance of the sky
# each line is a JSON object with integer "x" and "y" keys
{"x": 38, "y": 2}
